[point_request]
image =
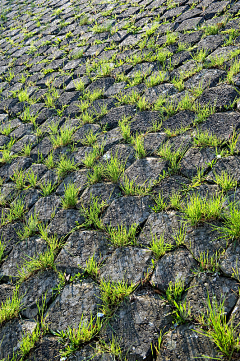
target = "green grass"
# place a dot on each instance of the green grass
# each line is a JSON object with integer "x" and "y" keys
{"x": 113, "y": 168}
{"x": 159, "y": 247}
{"x": 64, "y": 137}
{"x": 19, "y": 179}
{"x": 220, "y": 331}
{"x": 92, "y": 267}
{"x": 42, "y": 261}
{"x": 173, "y": 157}
{"x": 65, "y": 165}
{"x": 130, "y": 188}
{"x": 70, "y": 196}
{"x": 121, "y": 236}
{"x": 206, "y": 139}
{"x": 16, "y": 211}
{"x": 112, "y": 294}
{"x": 225, "y": 181}
{"x": 74, "y": 338}
{"x": 138, "y": 144}
{"x": 47, "y": 188}
{"x": 11, "y": 307}
{"x": 203, "y": 209}
{"x": 2, "y": 248}
{"x": 92, "y": 212}
{"x": 175, "y": 290}
{"x": 29, "y": 228}
{"x": 93, "y": 155}
{"x": 124, "y": 125}
{"x": 230, "y": 229}
{"x": 160, "y": 203}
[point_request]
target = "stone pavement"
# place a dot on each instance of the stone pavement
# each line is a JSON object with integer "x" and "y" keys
{"x": 119, "y": 176}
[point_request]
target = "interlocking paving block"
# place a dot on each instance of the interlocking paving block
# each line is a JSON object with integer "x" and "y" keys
{"x": 196, "y": 159}
{"x": 206, "y": 78}
{"x": 98, "y": 75}
{"x": 205, "y": 240}
{"x": 218, "y": 287}
{"x": 144, "y": 121}
{"x": 127, "y": 211}
{"x": 166, "y": 224}
{"x": 35, "y": 290}
{"x": 91, "y": 352}
{"x": 230, "y": 164}
{"x": 153, "y": 141}
{"x": 80, "y": 247}
{"x": 79, "y": 179}
{"x": 137, "y": 325}
{"x": 172, "y": 267}
{"x": 106, "y": 192}
{"x": 64, "y": 222}
{"x": 182, "y": 119}
{"x": 221, "y": 125}
{"x": 220, "y": 97}
{"x": 45, "y": 208}
{"x": 170, "y": 186}
{"x": 153, "y": 93}
{"x": 146, "y": 171}
{"x": 46, "y": 349}
{"x": 230, "y": 261}
{"x": 129, "y": 264}
{"x": 11, "y": 334}
{"x": 6, "y": 291}
{"x": 185, "y": 343}
{"x": 116, "y": 114}
{"x": 81, "y": 299}
{"x": 30, "y": 247}
{"x": 124, "y": 153}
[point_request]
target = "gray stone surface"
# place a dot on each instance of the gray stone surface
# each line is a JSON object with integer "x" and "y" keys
{"x": 127, "y": 211}
{"x": 80, "y": 299}
{"x": 80, "y": 247}
{"x": 130, "y": 264}
{"x": 137, "y": 325}
{"x": 172, "y": 267}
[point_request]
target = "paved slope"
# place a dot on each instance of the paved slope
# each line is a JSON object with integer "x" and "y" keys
{"x": 119, "y": 172}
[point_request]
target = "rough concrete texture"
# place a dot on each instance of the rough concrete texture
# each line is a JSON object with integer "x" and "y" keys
{"x": 119, "y": 129}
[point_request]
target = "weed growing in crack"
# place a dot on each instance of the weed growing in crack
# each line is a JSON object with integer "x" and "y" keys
{"x": 175, "y": 290}
{"x": 130, "y": 188}
{"x": 160, "y": 203}
{"x": 91, "y": 213}
{"x": 138, "y": 144}
{"x": 206, "y": 139}
{"x": 19, "y": 179}
{"x": 64, "y": 138}
{"x": 65, "y": 165}
{"x": 11, "y": 307}
{"x": 202, "y": 209}
{"x": 159, "y": 246}
{"x": 17, "y": 209}
{"x": 47, "y": 188}
{"x": 112, "y": 294}
{"x": 121, "y": 236}
{"x": 30, "y": 228}
{"x": 220, "y": 331}
{"x": 231, "y": 223}
{"x": 207, "y": 263}
{"x": 92, "y": 267}
{"x": 225, "y": 181}
{"x": 73, "y": 338}
{"x": 93, "y": 155}
{"x": 2, "y": 249}
{"x": 70, "y": 196}
{"x": 125, "y": 128}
